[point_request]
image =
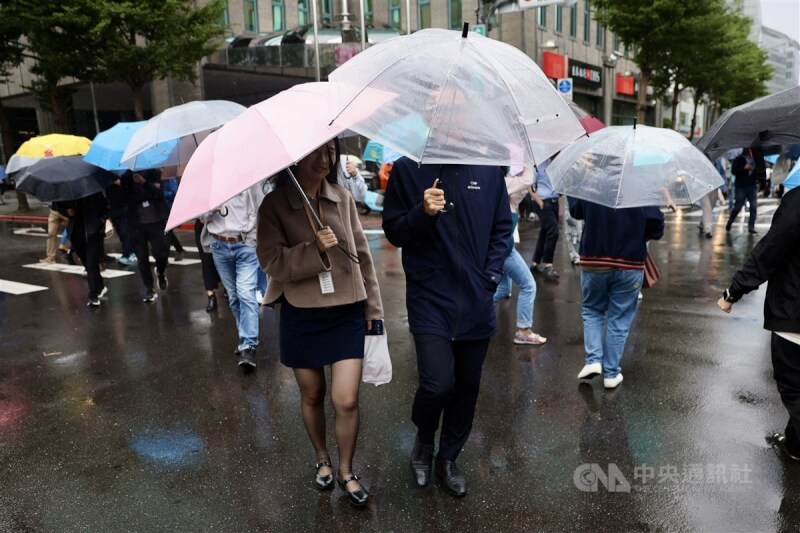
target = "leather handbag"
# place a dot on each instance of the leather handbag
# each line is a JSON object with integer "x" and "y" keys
{"x": 651, "y": 273}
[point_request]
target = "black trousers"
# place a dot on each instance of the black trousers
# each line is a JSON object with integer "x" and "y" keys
{"x": 119, "y": 218}
{"x": 90, "y": 250}
{"x": 745, "y": 193}
{"x": 210, "y": 275}
{"x": 152, "y": 234}
{"x": 449, "y": 381}
{"x": 548, "y": 233}
{"x": 786, "y": 368}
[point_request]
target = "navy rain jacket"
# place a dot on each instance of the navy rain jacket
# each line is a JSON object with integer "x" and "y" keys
{"x": 453, "y": 261}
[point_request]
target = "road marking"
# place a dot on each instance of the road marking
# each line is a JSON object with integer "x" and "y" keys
{"x": 76, "y": 269}
{"x": 16, "y": 288}
{"x": 184, "y": 262}
{"x": 31, "y": 232}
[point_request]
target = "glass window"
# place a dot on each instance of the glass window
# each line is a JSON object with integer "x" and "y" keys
{"x": 616, "y": 43}
{"x": 424, "y": 14}
{"x": 600, "y": 35}
{"x": 224, "y": 18}
{"x": 394, "y": 14}
{"x": 327, "y": 11}
{"x": 302, "y": 12}
{"x": 251, "y": 15}
{"x": 541, "y": 16}
{"x": 559, "y": 19}
{"x": 368, "y": 13}
{"x": 573, "y": 20}
{"x": 587, "y": 21}
{"x": 456, "y": 22}
{"x": 278, "y": 21}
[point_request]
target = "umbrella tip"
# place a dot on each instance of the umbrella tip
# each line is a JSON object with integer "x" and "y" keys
{"x": 465, "y": 31}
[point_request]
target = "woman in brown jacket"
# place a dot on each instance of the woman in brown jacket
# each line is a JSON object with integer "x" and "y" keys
{"x": 327, "y": 301}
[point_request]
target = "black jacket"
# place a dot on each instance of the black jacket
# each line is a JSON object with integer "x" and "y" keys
{"x": 146, "y": 202}
{"x": 452, "y": 262}
{"x": 776, "y": 259}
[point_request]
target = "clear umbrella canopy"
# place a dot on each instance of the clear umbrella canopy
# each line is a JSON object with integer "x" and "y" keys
{"x": 469, "y": 100}
{"x": 624, "y": 166}
{"x": 180, "y": 121}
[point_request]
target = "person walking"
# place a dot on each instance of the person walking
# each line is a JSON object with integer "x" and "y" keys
{"x": 546, "y": 208}
{"x": 514, "y": 267}
{"x": 328, "y": 299}
{"x": 147, "y": 217}
{"x": 88, "y": 216}
{"x": 453, "y": 224}
{"x": 745, "y": 171}
{"x": 169, "y": 185}
{"x": 613, "y": 251}
{"x": 119, "y": 219}
{"x": 54, "y": 222}
{"x": 211, "y": 278}
{"x": 229, "y": 235}
{"x": 776, "y": 261}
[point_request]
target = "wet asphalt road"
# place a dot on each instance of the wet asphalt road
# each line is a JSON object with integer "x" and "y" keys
{"x": 134, "y": 417}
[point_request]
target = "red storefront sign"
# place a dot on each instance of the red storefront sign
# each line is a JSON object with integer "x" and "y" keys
{"x": 554, "y": 65}
{"x": 625, "y": 84}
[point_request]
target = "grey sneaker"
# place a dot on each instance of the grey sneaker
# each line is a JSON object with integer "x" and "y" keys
{"x": 247, "y": 358}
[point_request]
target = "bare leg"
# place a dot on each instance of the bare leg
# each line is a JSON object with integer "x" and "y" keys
{"x": 312, "y": 404}
{"x": 345, "y": 383}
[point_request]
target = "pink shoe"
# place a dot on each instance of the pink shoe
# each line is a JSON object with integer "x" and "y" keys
{"x": 532, "y": 338}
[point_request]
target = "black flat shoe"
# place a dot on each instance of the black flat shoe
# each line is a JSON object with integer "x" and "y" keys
{"x": 358, "y": 497}
{"x": 212, "y": 303}
{"x": 451, "y": 478}
{"x": 422, "y": 462}
{"x": 778, "y": 442}
{"x": 323, "y": 482}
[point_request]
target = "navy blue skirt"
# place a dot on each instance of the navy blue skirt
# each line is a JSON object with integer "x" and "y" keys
{"x": 318, "y": 336}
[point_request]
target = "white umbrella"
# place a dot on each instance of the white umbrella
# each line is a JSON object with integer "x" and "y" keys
{"x": 625, "y": 166}
{"x": 462, "y": 98}
{"x": 180, "y": 121}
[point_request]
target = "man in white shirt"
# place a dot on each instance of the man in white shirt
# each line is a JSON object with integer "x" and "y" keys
{"x": 351, "y": 179}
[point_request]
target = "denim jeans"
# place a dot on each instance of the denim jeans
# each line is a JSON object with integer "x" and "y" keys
{"x": 746, "y": 193}
{"x": 516, "y": 269}
{"x": 609, "y": 306}
{"x": 237, "y": 266}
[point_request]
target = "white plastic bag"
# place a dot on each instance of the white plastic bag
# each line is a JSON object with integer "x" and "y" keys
{"x": 377, "y": 366}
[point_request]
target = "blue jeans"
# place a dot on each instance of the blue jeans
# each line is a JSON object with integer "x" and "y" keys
{"x": 609, "y": 306}
{"x": 516, "y": 269}
{"x": 745, "y": 193}
{"x": 238, "y": 269}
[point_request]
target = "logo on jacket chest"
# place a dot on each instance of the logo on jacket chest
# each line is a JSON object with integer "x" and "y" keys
{"x": 474, "y": 186}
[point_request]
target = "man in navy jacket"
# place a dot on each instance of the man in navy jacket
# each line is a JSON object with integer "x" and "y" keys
{"x": 613, "y": 251}
{"x": 453, "y": 262}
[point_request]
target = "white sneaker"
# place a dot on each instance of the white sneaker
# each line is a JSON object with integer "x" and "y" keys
{"x": 590, "y": 371}
{"x": 611, "y": 383}
{"x": 103, "y": 293}
{"x": 259, "y": 297}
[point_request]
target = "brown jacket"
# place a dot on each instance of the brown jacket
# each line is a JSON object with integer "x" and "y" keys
{"x": 287, "y": 251}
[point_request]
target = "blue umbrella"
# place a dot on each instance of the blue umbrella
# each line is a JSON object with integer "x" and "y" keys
{"x": 793, "y": 179}
{"x": 771, "y": 159}
{"x": 373, "y": 151}
{"x": 109, "y": 145}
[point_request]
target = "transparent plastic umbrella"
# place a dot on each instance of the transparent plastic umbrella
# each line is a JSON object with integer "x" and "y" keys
{"x": 463, "y": 98}
{"x": 180, "y": 121}
{"x": 633, "y": 166}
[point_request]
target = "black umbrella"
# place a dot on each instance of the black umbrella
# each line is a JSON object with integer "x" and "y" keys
{"x": 770, "y": 120}
{"x": 61, "y": 179}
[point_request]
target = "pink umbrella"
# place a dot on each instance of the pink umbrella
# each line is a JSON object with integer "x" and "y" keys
{"x": 589, "y": 122}
{"x": 264, "y": 140}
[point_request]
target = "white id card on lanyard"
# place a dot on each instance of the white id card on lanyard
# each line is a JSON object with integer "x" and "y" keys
{"x": 326, "y": 282}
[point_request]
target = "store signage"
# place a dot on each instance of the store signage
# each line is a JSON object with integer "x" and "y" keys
{"x": 625, "y": 84}
{"x": 554, "y": 65}
{"x": 585, "y": 74}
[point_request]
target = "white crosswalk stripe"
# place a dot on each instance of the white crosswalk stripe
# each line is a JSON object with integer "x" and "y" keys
{"x": 16, "y": 288}
{"x": 183, "y": 262}
{"x": 76, "y": 269}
